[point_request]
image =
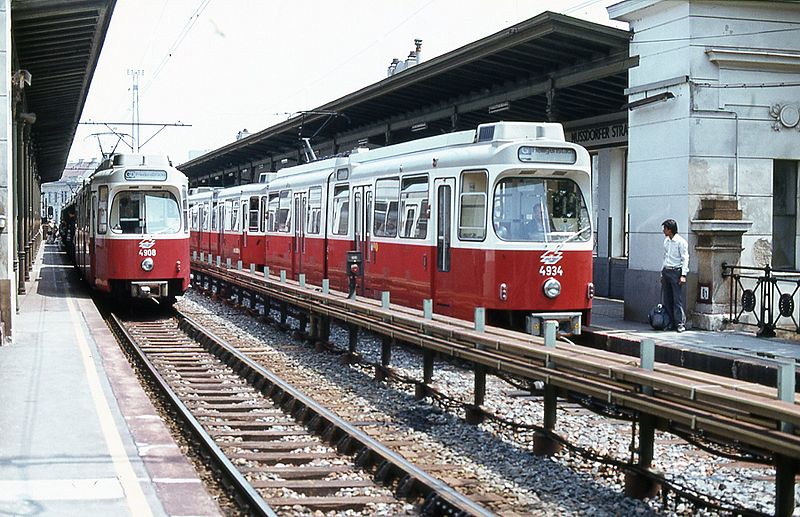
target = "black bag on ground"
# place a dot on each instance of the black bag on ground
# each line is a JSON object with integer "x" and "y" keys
{"x": 658, "y": 317}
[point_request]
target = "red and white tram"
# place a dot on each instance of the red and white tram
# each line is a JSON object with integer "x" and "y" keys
{"x": 497, "y": 218}
{"x": 131, "y": 234}
{"x": 229, "y": 223}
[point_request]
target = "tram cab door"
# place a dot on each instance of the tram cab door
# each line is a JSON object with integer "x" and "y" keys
{"x": 362, "y": 234}
{"x": 443, "y": 282}
{"x": 299, "y": 245}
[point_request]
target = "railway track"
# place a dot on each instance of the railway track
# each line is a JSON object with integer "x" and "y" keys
{"x": 281, "y": 450}
{"x": 683, "y": 402}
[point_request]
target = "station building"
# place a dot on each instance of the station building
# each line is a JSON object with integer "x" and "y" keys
{"x": 56, "y": 194}
{"x": 713, "y": 142}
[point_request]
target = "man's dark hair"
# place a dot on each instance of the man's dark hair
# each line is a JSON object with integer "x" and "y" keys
{"x": 670, "y": 225}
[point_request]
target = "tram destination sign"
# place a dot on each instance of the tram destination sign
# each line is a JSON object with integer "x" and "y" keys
{"x": 547, "y": 154}
{"x": 145, "y": 175}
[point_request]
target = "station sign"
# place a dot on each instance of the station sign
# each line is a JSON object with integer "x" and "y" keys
{"x": 600, "y": 135}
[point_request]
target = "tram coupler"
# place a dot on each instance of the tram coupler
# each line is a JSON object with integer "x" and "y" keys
{"x": 355, "y": 269}
{"x": 639, "y": 485}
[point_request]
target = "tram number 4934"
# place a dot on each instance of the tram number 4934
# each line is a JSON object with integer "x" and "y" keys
{"x": 147, "y": 253}
{"x": 551, "y": 271}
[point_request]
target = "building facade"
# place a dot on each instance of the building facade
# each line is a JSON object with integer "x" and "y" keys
{"x": 56, "y": 193}
{"x": 714, "y": 143}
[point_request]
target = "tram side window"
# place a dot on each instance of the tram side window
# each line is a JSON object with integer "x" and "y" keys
{"x": 387, "y": 193}
{"x": 227, "y": 217}
{"x": 262, "y": 224}
{"x": 205, "y": 220}
{"x": 234, "y": 207}
{"x": 414, "y": 208}
{"x": 195, "y": 217}
{"x": 185, "y": 201}
{"x": 252, "y": 214}
{"x": 314, "y": 213}
{"x": 214, "y": 216}
{"x": 341, "y": 210}
{"x": 472, "y": 222}
{"x": 284, "y": 215}
{"x": 102, "y": 209}
{"x": 272, "y": 212}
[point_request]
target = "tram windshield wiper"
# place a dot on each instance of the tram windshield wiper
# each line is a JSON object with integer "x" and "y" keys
{"x": 571, "y": 238}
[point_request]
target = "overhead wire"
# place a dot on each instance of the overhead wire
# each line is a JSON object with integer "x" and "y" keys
{"x": 177, "y": 43}
{"x": 156, "y": 27}
{"x": 358, "y": 53}
{"x": 581, "y": 6}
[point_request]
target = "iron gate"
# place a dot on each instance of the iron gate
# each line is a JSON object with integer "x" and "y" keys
{"x": 764, "y": 297}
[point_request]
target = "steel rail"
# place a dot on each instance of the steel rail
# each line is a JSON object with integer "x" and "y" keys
{"x": 255, "y": 503}
{"x": 617, "y": 381}
{"x": 415, "y": 480}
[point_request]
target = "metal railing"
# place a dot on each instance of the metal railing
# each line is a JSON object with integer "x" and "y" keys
{"x": 764, "y": 297}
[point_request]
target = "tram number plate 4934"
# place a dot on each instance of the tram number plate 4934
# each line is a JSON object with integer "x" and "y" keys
{"x": 551, "y": 271}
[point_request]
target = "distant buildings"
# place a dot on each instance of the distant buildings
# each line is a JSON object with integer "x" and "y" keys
{"x": 56, "y": 193}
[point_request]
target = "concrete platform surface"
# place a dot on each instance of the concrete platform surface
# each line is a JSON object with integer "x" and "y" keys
{"x": 607, "y": 318}
{"x": 78, "y": 435}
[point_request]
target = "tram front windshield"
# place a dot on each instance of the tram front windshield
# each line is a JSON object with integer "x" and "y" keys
{"x": 136, "y": 211}
{"x": 540, "y": 210}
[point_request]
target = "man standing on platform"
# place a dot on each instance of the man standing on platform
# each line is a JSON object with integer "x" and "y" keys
{"x": 673, "y": 274}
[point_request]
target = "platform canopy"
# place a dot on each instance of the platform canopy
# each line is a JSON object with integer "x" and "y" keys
{"x": 58, "y": 42}
{"x": 549, "y": 68}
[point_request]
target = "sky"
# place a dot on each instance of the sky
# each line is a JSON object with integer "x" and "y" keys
{"x": 221, "y": 66}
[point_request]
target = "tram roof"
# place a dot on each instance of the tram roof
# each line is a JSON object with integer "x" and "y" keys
{"x": 58, "y": 42}
{"x": 586, "y": 63}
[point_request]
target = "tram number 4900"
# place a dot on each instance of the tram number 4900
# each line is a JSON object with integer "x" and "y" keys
{"x": 551, "y": 271}
{"x": 147, "y": 253}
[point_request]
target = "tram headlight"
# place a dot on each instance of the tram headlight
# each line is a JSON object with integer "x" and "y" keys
{"x": 552, "y": 288}
{"x": 147, "y": 264}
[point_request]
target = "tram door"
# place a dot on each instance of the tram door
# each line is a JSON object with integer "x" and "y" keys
{"x": 299, "y": 247}
{"x": 92, "y": 238}
{"x": 444, "y": 283}
{"x": 362, "y": 232}
{"x": 220, "y": 236}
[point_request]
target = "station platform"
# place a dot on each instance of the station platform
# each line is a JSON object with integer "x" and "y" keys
{"x": 78, "y": 435}
{"x": 608, "y": 320}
